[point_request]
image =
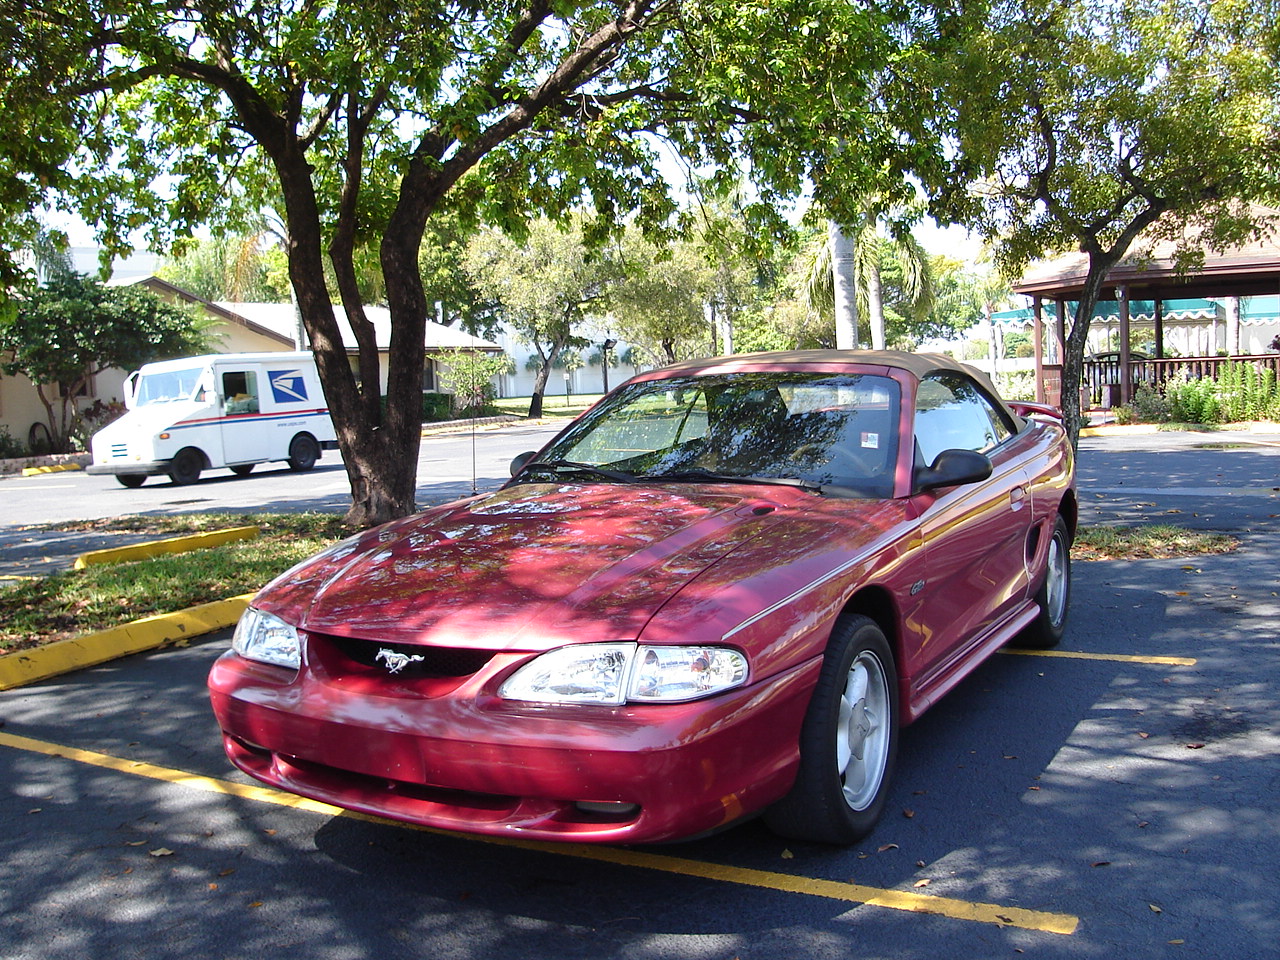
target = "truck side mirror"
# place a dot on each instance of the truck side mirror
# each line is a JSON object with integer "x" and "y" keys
{"x": 131, "y": 390}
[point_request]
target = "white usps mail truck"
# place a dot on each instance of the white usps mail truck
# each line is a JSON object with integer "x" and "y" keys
{"x": 222, "y": 410}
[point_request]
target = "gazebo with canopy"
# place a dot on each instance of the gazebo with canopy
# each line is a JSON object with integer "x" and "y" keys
{"x": 1232, "y": 291}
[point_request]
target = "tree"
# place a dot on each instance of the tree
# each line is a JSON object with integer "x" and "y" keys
{"x": 1069, "y": 125}
{"x": 450, "y": 291}
{"x": 50, "y": 255}
{"x": 70, "y": 330}
{"x": 361, "y": 122}
{"x": 659, "y": 304}
{"x": 871, "y": 256}
{"x": 242, "y": 268}
{"x": 468, "y": 375}
{"x": 545, "y": 286}
{"x": 960, "y": 295}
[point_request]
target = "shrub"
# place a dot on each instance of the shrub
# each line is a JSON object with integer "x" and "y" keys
{"x": 436, "y": 407}
{"x": 94, "y": 419}
{"x": 1147, "y": 406}
{"x": 1193, "y": 401}
{"x": 10, "y": 448}
{"x": 1247, "y": 393}
{"x": 1017, "y": 385}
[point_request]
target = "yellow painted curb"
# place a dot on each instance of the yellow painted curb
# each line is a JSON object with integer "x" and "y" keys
{"x": 28, "y": 666}
{"x": 57, "y": 468}
{"x": 140, "y": 551}
{"x": 1119, "y": 430}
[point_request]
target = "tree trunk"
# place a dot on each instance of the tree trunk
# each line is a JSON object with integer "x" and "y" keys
{"x": 540, "y": 381}
{"x": 875, "y": 306}
{"x": 57, "y": 442}
{"x": 845, "y": 287}
{"x": 1073, "y": 357}
{"x": 1101, "y": 262}
{"x": 360, "y": 440}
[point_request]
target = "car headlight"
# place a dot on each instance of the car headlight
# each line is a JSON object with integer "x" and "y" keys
{"x": 260, "y": 636}
{"x": 615, "y": 673}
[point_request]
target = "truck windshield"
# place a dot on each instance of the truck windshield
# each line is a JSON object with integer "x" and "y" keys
{"x": 168, "y": 386}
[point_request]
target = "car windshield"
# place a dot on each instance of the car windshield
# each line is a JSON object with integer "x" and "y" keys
{"x": 835, "y": 433}
{"x": 167, "y": 386}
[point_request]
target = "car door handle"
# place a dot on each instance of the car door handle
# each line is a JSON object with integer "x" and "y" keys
{"x": 1017, "y": 497}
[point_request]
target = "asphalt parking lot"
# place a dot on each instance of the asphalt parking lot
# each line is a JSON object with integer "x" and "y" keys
{"x": 1116, "y": 799}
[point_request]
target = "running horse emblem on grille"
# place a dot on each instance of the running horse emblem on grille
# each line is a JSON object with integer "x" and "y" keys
{"x": 396, "y": 661}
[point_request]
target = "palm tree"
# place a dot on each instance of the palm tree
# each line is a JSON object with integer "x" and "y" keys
{"x": 864, "y": 252}
{"x": 51, "y": 255}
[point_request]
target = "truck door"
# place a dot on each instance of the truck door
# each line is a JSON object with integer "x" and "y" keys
{"x": 246, "y": 434}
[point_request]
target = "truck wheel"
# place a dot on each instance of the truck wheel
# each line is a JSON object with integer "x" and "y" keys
{"x": 131, "y": 480}
{"x": 184, "y": 469}
{"x": 303, "y": 452}
{"x": 242, "y": 469}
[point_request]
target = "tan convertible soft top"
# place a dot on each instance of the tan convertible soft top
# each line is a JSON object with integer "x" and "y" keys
{"x": 919, "y": 365}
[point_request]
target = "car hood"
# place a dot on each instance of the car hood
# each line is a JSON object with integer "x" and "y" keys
{"x": 530, "y": 567}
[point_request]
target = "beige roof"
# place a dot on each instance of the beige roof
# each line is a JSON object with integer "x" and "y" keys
{"x": 919, "y": 364}
{"x": 280, "y": 317}
{"x": 1149, "y": 269}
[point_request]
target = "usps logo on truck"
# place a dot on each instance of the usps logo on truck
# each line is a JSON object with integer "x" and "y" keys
{"x": 287, "y": 386}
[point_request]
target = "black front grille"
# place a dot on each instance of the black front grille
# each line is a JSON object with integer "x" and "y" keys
{"x": 421, "y": 661}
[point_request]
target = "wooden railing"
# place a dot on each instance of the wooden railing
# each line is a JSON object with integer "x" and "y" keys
{"x": 1102, "y": 377}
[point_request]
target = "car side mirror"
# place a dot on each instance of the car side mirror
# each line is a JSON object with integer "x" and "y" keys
{"x": 520, "y": 459}
{"x": 952, "y": 468}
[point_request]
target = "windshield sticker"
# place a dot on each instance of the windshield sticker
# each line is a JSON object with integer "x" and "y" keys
{"x": 871, "y": 441}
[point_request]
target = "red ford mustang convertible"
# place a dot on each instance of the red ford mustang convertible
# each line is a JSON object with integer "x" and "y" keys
{"x": 717, "y": 594}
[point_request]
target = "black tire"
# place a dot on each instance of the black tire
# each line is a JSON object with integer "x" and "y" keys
{"x": 303, "y": 452}
{"x": 184, "y": 469}
{"x": 242, "y": 469}
{"x": 39, "y": 440}
{"x": 131, "y": 480}
{"x": 1054, "y": 596}
{"x": 848, "y": 743}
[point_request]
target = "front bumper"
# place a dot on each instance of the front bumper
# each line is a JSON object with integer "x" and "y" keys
{"x": 131, "y": 468}
{"x": 468, "y": 761}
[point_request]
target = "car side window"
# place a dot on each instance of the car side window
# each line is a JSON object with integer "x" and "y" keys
{"x": 240, "y": 387}
{"x": 952, "y": 413}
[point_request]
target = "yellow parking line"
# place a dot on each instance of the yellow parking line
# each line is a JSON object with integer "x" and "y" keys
{"x": 1061, "y": 923}
{"x": 1118, "y": 657}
